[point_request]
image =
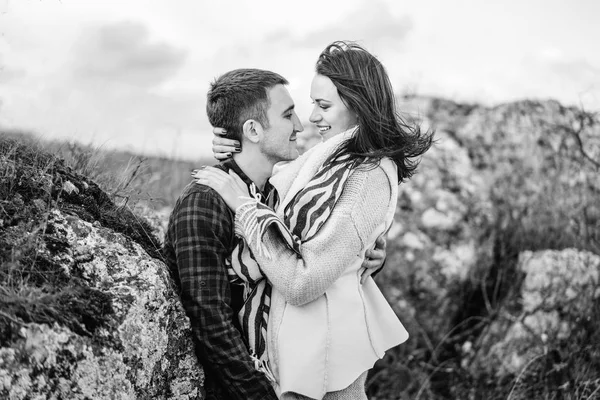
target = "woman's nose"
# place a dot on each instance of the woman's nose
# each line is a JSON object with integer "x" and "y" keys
{"x": 315, "y": 116}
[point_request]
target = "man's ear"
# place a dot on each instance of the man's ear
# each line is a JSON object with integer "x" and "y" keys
{"x": 252, "y": 130}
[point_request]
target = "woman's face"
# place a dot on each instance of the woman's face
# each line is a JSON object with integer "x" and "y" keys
{"x": 330, "y": 114}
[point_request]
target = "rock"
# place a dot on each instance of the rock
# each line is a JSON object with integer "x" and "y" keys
{"x": 157, "y": 218}
{"x": 456, "y": 262}
{"x": 413, "y": 241}
{"x": 433, "y": 243}
{"x": 144, "y": 351}
{"x": 434, "y": 219}
{"x": 559, "y": 289}
{"x": 40, "y": 204}
{"x": 567, "y": 280}
{"x": 70, "y": 188}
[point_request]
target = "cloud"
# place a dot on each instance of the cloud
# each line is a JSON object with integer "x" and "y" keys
{"x": 371, "y": 23}
{"x": 8, "y": 73}
{"x": 124, "y": 52}
{"x": 581, "y": 71}
{"x": 570, "y": 78}
{"x": 293, "y": 52}
{"x": 112, "y": 93}
{"x": 564, "y": 66}
{"x": 578, "y": 80}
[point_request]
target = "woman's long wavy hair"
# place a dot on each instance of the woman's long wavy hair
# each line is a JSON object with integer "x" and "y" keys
{"x": 365, "y": 88}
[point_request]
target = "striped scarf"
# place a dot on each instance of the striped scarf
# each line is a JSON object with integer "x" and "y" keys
{"x": 303, "y": 218}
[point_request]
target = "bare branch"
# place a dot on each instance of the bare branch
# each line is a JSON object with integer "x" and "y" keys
{"x": 584, "y": 118}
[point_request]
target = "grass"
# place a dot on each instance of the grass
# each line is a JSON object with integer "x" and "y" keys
{"x": 130, "y": 178}
{"x": 34, "y": 286}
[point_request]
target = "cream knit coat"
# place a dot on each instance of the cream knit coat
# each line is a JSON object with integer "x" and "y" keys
{"x": 359, "y": 324}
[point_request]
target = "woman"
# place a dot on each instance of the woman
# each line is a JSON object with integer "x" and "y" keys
{"x": 325, "y": 329}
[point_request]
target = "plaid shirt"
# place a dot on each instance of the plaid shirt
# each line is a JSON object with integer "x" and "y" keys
{"x": 199, "y": 239}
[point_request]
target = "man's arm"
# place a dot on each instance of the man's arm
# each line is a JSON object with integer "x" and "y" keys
{"x": 202, "y": 232}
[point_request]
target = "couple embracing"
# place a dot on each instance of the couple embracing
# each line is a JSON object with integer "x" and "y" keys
{"x": 274, "y": 269}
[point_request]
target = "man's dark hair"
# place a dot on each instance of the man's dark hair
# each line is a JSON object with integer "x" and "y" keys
{"x": 240, "y": 95}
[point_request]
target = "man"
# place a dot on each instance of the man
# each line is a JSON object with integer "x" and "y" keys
{"x": 257, "y": 110}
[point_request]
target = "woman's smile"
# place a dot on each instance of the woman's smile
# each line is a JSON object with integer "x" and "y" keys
{"x": 330, "y": 114}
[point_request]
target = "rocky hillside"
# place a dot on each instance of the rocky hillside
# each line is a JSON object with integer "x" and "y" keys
{"x": 493, "y": 266}
{"x": 87, "y": 307}
{"x": 494, "y": 257}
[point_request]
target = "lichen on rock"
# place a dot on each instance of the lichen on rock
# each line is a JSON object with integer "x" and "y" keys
{"x": 145, "y": 352}
{"x": 93, "y": 314}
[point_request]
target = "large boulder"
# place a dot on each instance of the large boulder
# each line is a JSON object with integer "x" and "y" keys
{"x": 499, "y": 180}
{"x": 555, "y": 303}
{"x": 433, "y": 243}
{"x": 434, "y": 248}
{"x": 500, "y": 185}
{"x": 88, "y": 308}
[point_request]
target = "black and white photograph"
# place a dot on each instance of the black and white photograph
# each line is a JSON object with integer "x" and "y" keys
{"x": 263, "y": 200}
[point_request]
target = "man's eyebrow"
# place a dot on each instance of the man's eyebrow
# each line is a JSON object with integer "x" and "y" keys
{"x": 290, "y": 108}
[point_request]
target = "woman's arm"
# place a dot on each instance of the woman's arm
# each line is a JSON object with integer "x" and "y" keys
{"x": 305, "y": 274}
{"x": 222, "y": 147}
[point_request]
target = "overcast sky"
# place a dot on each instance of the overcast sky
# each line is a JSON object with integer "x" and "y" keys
{"x": 134, "y": 73}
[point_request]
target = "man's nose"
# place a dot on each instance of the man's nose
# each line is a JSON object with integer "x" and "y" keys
{"x": 298, "y": 125}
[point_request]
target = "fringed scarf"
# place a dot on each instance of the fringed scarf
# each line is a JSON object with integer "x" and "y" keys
{"x": 303, "y": 218}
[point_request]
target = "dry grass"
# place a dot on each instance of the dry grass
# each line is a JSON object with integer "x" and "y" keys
{"x": 130, "y": 179}
{"x": 34, "y": 286}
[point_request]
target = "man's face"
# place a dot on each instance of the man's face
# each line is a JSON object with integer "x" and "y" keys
{"x": 279, "y": 140}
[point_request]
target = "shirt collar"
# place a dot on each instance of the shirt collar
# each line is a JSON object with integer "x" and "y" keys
{"x": 231, "y": 164}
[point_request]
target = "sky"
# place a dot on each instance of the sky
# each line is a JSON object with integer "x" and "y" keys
{"x": 133, "y": 74}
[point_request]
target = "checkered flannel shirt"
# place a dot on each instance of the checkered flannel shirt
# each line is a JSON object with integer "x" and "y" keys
{"x": 199, "y": 239}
